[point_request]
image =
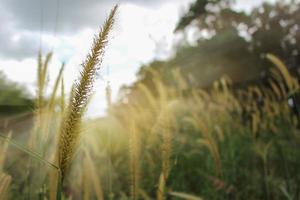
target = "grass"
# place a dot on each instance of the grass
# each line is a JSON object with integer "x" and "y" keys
{"x": 70, "y": 127}
{"x": 165, "y": 141}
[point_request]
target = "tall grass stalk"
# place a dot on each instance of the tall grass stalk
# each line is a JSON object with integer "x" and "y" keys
{"x": 5, "y": 181}
{"x": 91, "y": 175}
{"x": 134, "y": 155}
{"x": 62, "y": 97}
{"x": 70, "y": 126}
{"x": 3, "y": 151}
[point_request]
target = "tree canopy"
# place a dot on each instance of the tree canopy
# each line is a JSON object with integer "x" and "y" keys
{"x": 268, "y": 28}
{"x": 13, "y": 97}
{"x": 229, "y": 42}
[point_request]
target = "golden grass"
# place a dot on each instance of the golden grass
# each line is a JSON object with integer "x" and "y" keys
{"x": 3, "y": 151}
{"x": 134, "y": 157}
{"x": 62, "y": 96}
{"x": 143, "y": 135}
{"x": 70, "y": 127}
{"x": 5, "y": 181}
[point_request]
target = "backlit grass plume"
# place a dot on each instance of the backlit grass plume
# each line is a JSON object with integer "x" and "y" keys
{"x": 70, "y": 127}
{"x": 5, "y": 181}
{"x": 134, "y": 154}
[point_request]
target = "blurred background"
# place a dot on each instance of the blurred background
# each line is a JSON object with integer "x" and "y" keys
{"x": 203, "y": 39}
{"x": 194, "y": 98}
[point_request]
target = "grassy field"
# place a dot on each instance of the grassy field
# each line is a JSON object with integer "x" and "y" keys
{"x": 170, "y": 141}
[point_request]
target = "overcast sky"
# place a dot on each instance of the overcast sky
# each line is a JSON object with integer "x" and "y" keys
{"x": 68, "y": 26}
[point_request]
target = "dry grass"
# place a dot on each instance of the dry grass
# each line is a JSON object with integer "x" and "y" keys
{"x": 70, "y": 127}
{"x": 219, "y": 143}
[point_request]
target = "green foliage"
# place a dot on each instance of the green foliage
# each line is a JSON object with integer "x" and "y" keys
{"x": 199, "y": 10}
{"x": 235, "y": 42}
{"x": 13, "y": 97}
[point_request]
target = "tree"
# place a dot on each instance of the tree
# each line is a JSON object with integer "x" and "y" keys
{"x": 234, "y": 43}
{"x": 269, "y": 28}
{"x": 13, "y": 98}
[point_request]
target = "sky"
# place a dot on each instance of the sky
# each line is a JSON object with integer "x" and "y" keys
{"x": 143, "y": 32}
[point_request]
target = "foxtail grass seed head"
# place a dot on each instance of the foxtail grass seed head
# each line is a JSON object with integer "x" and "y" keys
{"x": 70, "y": 127}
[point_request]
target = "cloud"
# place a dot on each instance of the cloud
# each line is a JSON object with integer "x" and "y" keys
{"x": 139, "y": 24}
{"x": 23, "y": 22}
{"x": 16, "y": 43}
{"x": 18, "y": 46}
{"x": 72, "y": 14}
